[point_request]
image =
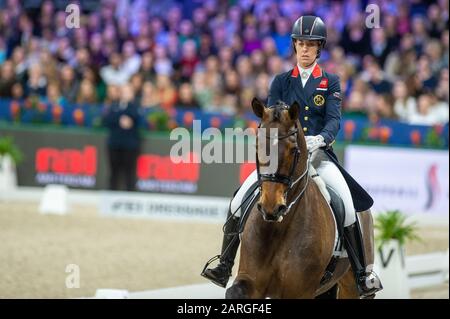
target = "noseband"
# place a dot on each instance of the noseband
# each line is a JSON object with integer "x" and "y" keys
{"x": 281, "y": 178}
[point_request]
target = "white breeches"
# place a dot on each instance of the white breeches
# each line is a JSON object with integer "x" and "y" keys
{"x": 330, "y": 174}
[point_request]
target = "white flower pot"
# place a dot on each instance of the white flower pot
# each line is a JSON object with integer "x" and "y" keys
{"x": 8, "y": 175}
{"x": 390, "y": 266}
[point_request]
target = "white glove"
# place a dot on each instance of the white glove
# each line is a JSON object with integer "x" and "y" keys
{"x": 313, "y": 143}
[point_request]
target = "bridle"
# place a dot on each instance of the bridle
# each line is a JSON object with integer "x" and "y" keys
{"x": 282, "y": 178}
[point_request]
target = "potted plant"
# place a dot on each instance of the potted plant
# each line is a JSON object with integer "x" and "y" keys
{"x": 392, "y": 226}
{"x": 392, "y": 233}
{"x": 10, "y": 156}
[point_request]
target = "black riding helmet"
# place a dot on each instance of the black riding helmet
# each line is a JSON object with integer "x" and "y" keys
{"x": 309, "y": 28}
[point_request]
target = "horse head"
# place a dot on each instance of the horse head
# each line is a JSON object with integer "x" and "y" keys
{"x": 281, "y": 132}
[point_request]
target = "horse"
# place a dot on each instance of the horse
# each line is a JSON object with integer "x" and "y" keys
{"x": 288, "y": 239}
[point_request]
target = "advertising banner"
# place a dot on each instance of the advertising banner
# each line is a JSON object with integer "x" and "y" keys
{"x": 176, "y": 207}
{"x": 410, "y": 180}
{"x": 78, "y": 158}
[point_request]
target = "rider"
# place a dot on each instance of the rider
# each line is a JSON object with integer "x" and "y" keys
{"x": 319, "y": 95}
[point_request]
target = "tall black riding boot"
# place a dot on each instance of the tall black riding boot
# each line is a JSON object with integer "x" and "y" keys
{"x": 221, "y": 274}
{"x": 367, "y": 281}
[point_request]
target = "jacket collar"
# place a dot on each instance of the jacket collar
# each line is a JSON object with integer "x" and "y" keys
{"x": 316, "y": 73}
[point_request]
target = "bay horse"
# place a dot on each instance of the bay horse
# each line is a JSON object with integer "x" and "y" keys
{"x": 288, "y": 239}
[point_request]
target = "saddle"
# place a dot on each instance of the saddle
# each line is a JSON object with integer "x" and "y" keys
{"x": 337, "y": 207}
{"x": 251, "y": 196}
{"x": 338, "y": 210}
{"x": 249, "y": 200}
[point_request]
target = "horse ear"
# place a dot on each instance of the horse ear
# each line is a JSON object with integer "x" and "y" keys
{"x": 258, "y": 107}
{"x": 294, "y": 111}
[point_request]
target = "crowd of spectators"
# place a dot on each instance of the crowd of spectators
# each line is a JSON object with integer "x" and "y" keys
{"x": 217, "y": 55}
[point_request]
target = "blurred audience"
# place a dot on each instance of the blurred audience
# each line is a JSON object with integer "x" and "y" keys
{"x": 215, "y": 57}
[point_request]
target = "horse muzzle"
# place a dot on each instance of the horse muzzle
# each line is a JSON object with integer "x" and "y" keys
{"x": 275, "y": 216}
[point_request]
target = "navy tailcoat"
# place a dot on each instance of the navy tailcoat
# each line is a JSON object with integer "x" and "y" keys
{"x": 320, "y": 113}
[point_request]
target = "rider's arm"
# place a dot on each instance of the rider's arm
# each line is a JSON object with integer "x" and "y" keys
{"x": 333, "y": 111}
{"x": 274, "y": 91}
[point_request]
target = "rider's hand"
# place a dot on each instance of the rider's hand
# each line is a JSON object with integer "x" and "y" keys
{"x": 125, "y": 122}
{"x": 314, "y": 142}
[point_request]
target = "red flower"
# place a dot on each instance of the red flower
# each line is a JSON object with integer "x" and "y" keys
{"x": 215, "y": 122}
{"x": 349, "y": 128}
{"x": 188, "y": 118}
{"x": 415, "y": 137}
{"x": 253, "y": 125}
{"x": 171, "y": 124}
{"x": 57, "y": 111}
{"x": 78, "y": 116}
{"x": 385, "y": 133}
{"x": 439, "y": 128}
{"x": 14, "y": 108}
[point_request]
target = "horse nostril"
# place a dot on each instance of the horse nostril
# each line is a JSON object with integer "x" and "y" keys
{"x": 281, "y": 209}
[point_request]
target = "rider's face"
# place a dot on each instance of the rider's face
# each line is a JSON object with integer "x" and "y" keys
{"x": 306, "y": 52}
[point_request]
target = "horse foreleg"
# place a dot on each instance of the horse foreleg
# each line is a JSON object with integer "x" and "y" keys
{"x": 347, "y": 286}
